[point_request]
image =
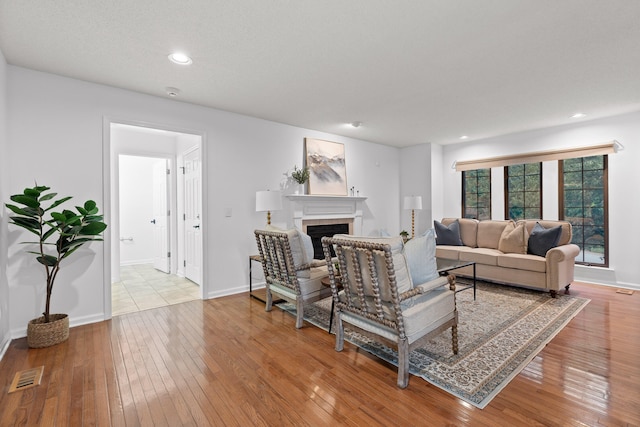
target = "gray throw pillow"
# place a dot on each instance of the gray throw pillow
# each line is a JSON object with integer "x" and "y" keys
{"x": 448, "y": 235}
{"x": 542, "y": 239}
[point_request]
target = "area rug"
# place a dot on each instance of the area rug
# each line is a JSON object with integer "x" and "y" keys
{"x": 498, "y": 335}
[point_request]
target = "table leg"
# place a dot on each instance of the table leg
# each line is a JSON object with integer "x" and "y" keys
{"x": 331, "y": 314}
{"x": 474, "y": 281}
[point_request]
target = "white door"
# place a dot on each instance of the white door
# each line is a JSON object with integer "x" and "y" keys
{"x": 193, "y": 216}
{"x": 160, "y": 218}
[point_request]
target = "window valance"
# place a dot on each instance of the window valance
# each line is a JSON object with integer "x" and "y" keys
{"x": 540, "y": 156}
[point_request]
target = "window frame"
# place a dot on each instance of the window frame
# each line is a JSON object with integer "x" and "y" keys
{"x": 561, "y": 207}
{"x": 506, "y": 191}
{"x": 464, "y": 193}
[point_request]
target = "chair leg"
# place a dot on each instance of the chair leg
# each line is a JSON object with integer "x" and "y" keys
{"x": 299, "y": 313}
{"x": 403, "y": 363}
{"x": 339, "y": 332}
{"x": 269, "y": 301}
{"x": 454, "y": 338}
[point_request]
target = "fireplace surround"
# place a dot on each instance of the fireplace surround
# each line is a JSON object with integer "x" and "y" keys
{"x": 343, "y": 213}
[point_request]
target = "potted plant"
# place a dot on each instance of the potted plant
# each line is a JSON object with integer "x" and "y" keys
{"x": 59, "y": 235}
{"x": 300, "y": 176}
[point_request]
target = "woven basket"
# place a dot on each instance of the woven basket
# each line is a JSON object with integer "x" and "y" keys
{"x": 41, "y": 334}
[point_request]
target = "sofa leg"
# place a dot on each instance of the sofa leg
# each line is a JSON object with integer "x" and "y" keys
{"x": 566, "y": 289}
{"x": 554, "y": 293}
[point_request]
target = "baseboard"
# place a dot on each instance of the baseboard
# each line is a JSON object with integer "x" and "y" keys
{"x": 73, "y": 321}
{"x": 4, "y": 347}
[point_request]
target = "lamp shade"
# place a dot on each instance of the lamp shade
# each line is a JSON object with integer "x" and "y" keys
{"x": 268, "y": 201}
{"x": 413, "y": 202}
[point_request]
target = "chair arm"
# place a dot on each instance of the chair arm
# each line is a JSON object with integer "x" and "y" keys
{"x": 561, "y": 253}
{"x": 427, "y": 287}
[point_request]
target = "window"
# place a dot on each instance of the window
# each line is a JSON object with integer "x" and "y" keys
{"x": 523, "y": 191}
{"x": 584, "y": 203}
{"x": 476, "y": 194}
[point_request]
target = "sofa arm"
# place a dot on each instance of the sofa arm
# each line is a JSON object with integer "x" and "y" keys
{"x": 560, "y": 264}
{"x": 563, "y": 252}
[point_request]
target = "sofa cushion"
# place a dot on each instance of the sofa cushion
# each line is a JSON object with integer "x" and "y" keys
{"x": 448, "y": 235}
{"x": 514, "y": 239}
{"x": 403, "y": 278}
{"x": 481, "y": 256}
{"x": 542, "y": 239}
{"x": 489, "y": 233}
{"x": 468, "y": 230}
{"x": 421, "y": 257}
{"x": 523, "y": 262}
{"x": 567, "y": 229}
{"x": 450, "y": 252}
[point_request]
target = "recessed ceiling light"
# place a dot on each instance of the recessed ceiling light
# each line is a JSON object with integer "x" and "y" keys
{"x": 180, "y": 58}
{"x": 172, "y": 91}
{"x": 464, "y": 137}
{"x": 356, "y": 124}
{"x": 578, "y": 115}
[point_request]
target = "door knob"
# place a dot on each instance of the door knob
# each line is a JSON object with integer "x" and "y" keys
{"x": 196, "y": 226}
{"x": 153, "y": 221}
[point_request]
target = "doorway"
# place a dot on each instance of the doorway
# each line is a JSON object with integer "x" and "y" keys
{"x": 151, "y": 195}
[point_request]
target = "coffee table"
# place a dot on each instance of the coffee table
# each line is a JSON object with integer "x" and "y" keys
{"x": 445, "y": 265}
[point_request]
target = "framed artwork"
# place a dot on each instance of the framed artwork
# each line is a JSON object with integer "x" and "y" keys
{"x": 327, "y": 169}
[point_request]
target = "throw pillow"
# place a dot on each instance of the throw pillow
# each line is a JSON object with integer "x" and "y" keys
{"x": 448, "y": 235}
{"x": 307, "y": 246}
{"x": 542, "y": 239}
{"x": 421, "y": 257}
{"x": 295, "y": 243}
{"x": 514, "y": 239}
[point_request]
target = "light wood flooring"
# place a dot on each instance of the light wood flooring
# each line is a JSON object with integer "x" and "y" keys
{"x": 142, "y": 287}
{"x": 228, "y": 362}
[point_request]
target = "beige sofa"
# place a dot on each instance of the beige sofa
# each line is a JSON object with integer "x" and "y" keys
{"x": 482, "y": 242}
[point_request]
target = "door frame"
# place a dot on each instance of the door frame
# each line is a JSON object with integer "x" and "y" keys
{"x": 110, "y": 199}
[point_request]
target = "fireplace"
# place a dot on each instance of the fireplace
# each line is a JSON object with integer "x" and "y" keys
{"x": 317, "y": 232}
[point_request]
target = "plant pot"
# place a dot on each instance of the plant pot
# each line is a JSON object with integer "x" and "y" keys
{"x": 41, "y": 334}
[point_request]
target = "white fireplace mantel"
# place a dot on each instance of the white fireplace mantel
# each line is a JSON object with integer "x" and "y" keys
{"x": 305, "y": 208}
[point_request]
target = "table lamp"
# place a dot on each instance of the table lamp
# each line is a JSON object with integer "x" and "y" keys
{"x": 268, "y": 201}
{"x": 413, "y": 203}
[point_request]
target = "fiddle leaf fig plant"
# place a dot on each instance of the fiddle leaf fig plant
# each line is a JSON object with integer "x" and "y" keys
{"x": 59, "y": 233}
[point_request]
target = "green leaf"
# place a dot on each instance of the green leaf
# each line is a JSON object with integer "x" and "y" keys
{"x": 90, "y": 205}
{"x": 48, "y": 196}
{"x": 58, "y": 202}
{"x": 20, "y": 211}
{"x": 60, "y": 218}
{"x": 27, "y": 223}
{"x": 82, "y": 210}
{"x": 93, "y": 228}
{"x": 25, "y": 200}
{"x": 48, "y": 260}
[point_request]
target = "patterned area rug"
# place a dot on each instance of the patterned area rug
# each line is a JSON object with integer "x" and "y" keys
{"x": 498, "y": 335}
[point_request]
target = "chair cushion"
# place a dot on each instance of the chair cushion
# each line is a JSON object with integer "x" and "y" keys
{"x": 542, "y": 239}
{"x": 448, "y": 235}
{"x": 403, "y": 278}
{"x": 514, "y": 239}
{"x": 300, "y": 244}
{"x": 421, "y": 258}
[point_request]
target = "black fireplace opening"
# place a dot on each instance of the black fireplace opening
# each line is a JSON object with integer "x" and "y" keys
{"x": 317, "y": 232}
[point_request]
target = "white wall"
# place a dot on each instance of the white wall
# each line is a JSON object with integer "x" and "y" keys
{"x": 4, "y": 196}
{"x": 415, "y": 180}
{"x": 54, "y": 119}
{"x": 136, "y": 209}
{"x": 624, "y": 174}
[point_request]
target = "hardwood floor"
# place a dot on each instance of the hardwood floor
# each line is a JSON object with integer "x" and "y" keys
{"x": 228, "y": 362}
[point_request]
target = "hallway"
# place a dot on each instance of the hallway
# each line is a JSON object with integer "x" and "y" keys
{"x": 142, "y": 287}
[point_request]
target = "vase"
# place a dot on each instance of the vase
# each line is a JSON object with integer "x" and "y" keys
{"x": 299, "y": 189}
{"x": 41, "y": 334}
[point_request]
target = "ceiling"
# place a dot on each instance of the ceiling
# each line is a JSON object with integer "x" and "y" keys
{"x": 412, "y": 71}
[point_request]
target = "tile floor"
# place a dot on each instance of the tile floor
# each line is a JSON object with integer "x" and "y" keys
{"x": 142, "y": 287}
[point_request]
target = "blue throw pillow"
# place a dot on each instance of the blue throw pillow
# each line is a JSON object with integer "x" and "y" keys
{"x": 421, "y": 258}
{"x": 542, "y": 239}
{"x": 448, "y": 235}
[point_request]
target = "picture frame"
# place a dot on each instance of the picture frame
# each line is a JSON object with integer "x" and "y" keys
{"x": 327, "y": 167}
